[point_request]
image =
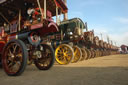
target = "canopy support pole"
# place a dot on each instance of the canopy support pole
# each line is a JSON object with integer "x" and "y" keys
{"x": 65, "y": 14}
{"x": 56, "y": 14}
{"x": 45, "y": 11}
{"x": 4, "y": 18}
{"x": 40, "y": 8}
{"x": 19, "y": 20}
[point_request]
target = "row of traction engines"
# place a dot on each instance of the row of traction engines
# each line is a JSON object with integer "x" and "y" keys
{"x": 73, "y": 44}
{"x": 30, "y": 35}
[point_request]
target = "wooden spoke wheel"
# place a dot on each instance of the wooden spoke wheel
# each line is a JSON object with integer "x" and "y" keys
{"x": 64, "y": 54}
{"x": 14, "y": 57}
{"x": 84, "y": 54}
{"x": 77, "y": 54}
{"x": 45, "y": 57}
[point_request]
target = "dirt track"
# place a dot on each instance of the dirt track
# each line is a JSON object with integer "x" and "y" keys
{"x": 108, "y": 70}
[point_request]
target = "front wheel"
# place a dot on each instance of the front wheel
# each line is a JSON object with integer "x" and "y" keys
{"x": 88, "y": 53}
{"x": 84, "y": 54}
{"x": 47, "y": 58}
{"x": 64, "y": 54}
{"x": 14, "y": 57}
{"x": 77, "y": 54}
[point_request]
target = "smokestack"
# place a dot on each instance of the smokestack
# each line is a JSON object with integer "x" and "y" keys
{"x": 111, "y": 42}
{"x": 86, "y": 26}
{"x": 115, "y": 43}
{"x": 101, "y": 36}
{"x": 65, "y": 14}
{"x": 108, "y": 39}
{"x": 93, "y": 30}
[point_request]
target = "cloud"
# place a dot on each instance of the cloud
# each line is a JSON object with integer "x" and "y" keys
{"x": 122, "y": 20}
{"x": 120, "y": 39}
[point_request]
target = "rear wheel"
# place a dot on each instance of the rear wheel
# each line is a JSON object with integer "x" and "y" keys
{"x": 77, "y": 54}
{"x": 88, "y": 53}
{"x": 46, "y": 57}
{"x": 94, "y": 53}
{"x": 64, "y": 54}
{"x": 84, "y": 54}
{"x": 14, "y": 57}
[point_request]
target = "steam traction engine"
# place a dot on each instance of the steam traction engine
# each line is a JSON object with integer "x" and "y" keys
{"x": 66, "y": 41}
{"x": 24, "y": 29}
{"x": 96, "y": 46}
{"x": 89, "y": 44}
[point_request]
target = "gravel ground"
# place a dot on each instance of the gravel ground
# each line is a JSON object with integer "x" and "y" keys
{"x": 108, "y": 70}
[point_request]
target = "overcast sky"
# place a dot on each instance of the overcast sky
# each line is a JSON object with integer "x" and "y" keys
{"x": 109, "y": 17}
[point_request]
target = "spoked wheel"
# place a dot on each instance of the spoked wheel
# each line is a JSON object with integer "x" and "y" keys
{"x": 84, "y": 54}
{"x": 88, "y": 54}
{"x": 77, "y": 54}
{"x": 64, "y": 54}
{"x": 14, "y": 57}
{"x": 45, "y": 57}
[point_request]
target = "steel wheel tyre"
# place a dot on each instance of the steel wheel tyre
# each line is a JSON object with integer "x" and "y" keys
{"x": 77, "y": 54}
{"x": 64, "y": 54}
{"x": 46, "y": 59}
{"x": 84, "y": 54}
{"x": 14, "y": 57}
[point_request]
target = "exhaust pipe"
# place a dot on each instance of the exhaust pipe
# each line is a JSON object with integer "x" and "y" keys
{"x": 86, "y": 26}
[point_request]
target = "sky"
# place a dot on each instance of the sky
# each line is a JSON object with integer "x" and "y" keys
{"x": 109, "y": 17}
